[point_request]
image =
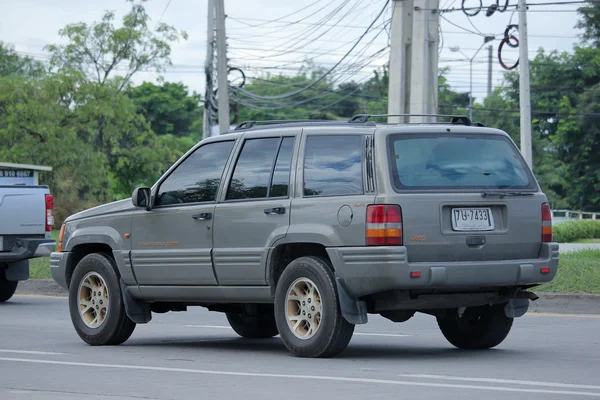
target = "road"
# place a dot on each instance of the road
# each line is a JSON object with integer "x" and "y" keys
{"x": 194, "y": 355}
{"x": 569, "y": 247}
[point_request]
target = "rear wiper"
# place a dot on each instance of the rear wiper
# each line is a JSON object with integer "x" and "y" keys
{"x": 504, "y": 194}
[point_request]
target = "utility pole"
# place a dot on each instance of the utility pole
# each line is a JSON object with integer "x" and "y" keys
{"x": 490, "y": 61}
{"x": 524, "y": 86}
{"x": 400, "y": 59}
{"x": 208, "y": 66}
{"x": 223, "y": 94}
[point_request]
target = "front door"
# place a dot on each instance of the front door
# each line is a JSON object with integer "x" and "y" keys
{"x": 255, "y": 211}
{"x": 172, "y": 243}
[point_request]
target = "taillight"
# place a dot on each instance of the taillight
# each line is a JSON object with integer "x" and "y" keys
{"x": 546, "y": 223}
{"x": 384, "y": 225}
{"x": 49, "y": 216}
{"x": 61, "y": 236}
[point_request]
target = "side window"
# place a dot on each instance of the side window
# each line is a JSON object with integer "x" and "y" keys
{"x": 252, "y": 174}
{"x": 281, "y": 174}
{"x": 197, "y": 178}
{"x": 332, "y": 166}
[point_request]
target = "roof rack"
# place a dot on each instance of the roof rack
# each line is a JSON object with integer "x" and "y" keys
{"x": 456, "y": 119}
{"x": 250, "y": 124}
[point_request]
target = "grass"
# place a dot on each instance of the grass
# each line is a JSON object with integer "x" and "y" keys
{"x": 570, "y": 231}
{"x": 586, "y": 241}
{"x": 578, "y": 272}
{"x": 39, "y": 268}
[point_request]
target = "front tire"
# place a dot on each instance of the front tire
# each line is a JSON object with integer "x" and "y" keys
{"x": 251, "y": 327}
{"x": 7, "y": 288}
{"x": 307, "y": 310}
{"x": 96, "y": 304}
{"x": 479, "y": 328}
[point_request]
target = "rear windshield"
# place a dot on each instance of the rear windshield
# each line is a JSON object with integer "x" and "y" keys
{"x": 457, "y": 161}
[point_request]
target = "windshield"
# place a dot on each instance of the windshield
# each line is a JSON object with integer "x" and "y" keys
{"x": 444, "y": 161}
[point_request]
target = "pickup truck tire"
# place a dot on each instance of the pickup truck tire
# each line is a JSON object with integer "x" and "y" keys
{"x": 7, "y": 288}
{"x": 480, "y": 328}
{"x": 94, "y": 283}
{"x": 307, "y": 309}
{"x": 252, "y": 327}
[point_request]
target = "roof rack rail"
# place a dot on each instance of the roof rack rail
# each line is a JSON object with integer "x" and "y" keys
{"x": 250, "y": 124}
{"x": 456, "y": 119}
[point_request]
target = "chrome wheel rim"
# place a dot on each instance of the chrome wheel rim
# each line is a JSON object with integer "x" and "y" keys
{"x": 303, "y": 308}
{"x": 93, "y": 300}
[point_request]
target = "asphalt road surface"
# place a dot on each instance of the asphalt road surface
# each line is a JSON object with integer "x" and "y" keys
{"x": 195, "y": 355}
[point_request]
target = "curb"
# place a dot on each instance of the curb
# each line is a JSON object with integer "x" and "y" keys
{"x": 550, "y": 303}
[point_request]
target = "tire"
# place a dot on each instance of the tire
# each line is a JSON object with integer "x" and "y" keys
{"x": 479, "y": 328}
{"x": 330, "y": 332}
{"x": 251, "y": 327}
{"x": 100, "y": 325}
{"x": 7, "y": 288}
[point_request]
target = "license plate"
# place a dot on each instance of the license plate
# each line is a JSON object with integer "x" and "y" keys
{"x": 472, "y": 219}
{"x": 1, "y": 243}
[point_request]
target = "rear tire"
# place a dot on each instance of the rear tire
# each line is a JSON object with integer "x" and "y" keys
{"x": 251, "y": 327}
{"x": 7, "y": 288}
{"x": 479, "y": 328}
{"x": 307, "y": 310}
{"x": 96, "y": 304}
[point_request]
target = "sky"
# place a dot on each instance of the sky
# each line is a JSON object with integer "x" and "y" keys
{"x": 276, "y": 36}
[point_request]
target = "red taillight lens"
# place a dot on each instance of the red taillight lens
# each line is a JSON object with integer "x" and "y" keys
{"x": 546, "y": 223}
{"x": 384, "y": 225}
{"x": 49, "y": 216}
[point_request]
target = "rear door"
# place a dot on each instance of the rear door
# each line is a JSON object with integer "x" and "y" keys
{"x": 22, "y": 210}
{"x": 464, "y": 197}
{"x": 255, "y": 209}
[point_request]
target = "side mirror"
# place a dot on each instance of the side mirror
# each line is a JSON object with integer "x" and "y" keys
{"x": 141, "y": 198}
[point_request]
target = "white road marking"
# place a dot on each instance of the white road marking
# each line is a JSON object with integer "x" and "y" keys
{"x": 356, "y": 333}
{"x": 507, "y": 381}
{"x": 37, "y": 353}
{"x": 295, "y": 377}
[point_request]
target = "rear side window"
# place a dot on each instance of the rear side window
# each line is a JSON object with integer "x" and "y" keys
{"x": 262, "y": 169}
{"x": 333, "y": 165}
{"x": 197, "y": 178}
{"x": 457, "y": 161}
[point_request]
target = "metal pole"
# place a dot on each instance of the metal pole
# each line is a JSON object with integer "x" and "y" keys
{"x": 208, "y": 63}
{"x": 524, "y": 86}
{"x": 400, "y": 59}
{"x": 471, "y": 89}
{"x": 222, "y": 67}
{"x": 490, "y": 61}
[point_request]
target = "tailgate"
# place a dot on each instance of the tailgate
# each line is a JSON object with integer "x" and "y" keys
{"x": 22, "y": 210}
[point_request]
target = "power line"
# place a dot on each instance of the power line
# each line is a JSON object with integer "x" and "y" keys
{"x": 164, "y": 11}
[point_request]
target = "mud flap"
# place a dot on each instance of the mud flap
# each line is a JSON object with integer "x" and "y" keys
{"x": 138, "y": 311}
{"x": 516, "y": 308}
{"x": 17, "y": 271}
{"x": 354, "y": 311}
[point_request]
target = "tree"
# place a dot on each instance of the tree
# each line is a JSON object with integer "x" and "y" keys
{"x": 11, "y": 63}
{"x": 169, "y": 108}
{"x": 100, "y": 50}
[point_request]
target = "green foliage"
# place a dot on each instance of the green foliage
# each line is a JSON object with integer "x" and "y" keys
{"x": 12, "y": 63}
{"x": 570, "y": 231}
{"x": 169, "y": 108}
{"x": 97, "y": 50}
{"x": 578, "y": 272}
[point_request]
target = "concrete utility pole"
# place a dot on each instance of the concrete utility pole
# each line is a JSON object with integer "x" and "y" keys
{"x": 223, "y": 94}
{"x": 208, "y": 64}
{"x": 400, "y": 59}
{"x": 524, "y": 86}
{"x": 490, "y": 61}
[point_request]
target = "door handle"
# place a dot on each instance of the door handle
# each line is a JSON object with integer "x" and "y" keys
{"x": 275, "y": 210}
{"x": 202, "y": 216}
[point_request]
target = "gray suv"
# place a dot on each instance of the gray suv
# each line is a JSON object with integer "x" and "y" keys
{"x": 302, "y": 229}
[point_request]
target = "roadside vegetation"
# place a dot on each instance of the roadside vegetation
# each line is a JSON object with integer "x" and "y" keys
{"x": 578, "y": 272}
{"x": 577, "y": 232}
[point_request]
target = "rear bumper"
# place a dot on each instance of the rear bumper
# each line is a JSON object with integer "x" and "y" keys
{"x": 26, "y": 249}
{"x": 368, "y": 270}
{"x": 58, "y": 268}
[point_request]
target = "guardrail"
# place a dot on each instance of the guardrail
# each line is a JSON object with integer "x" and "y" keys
{"x": 559, "y": 216}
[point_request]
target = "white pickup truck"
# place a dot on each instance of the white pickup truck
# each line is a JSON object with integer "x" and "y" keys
{"x": 25, "y": 225}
